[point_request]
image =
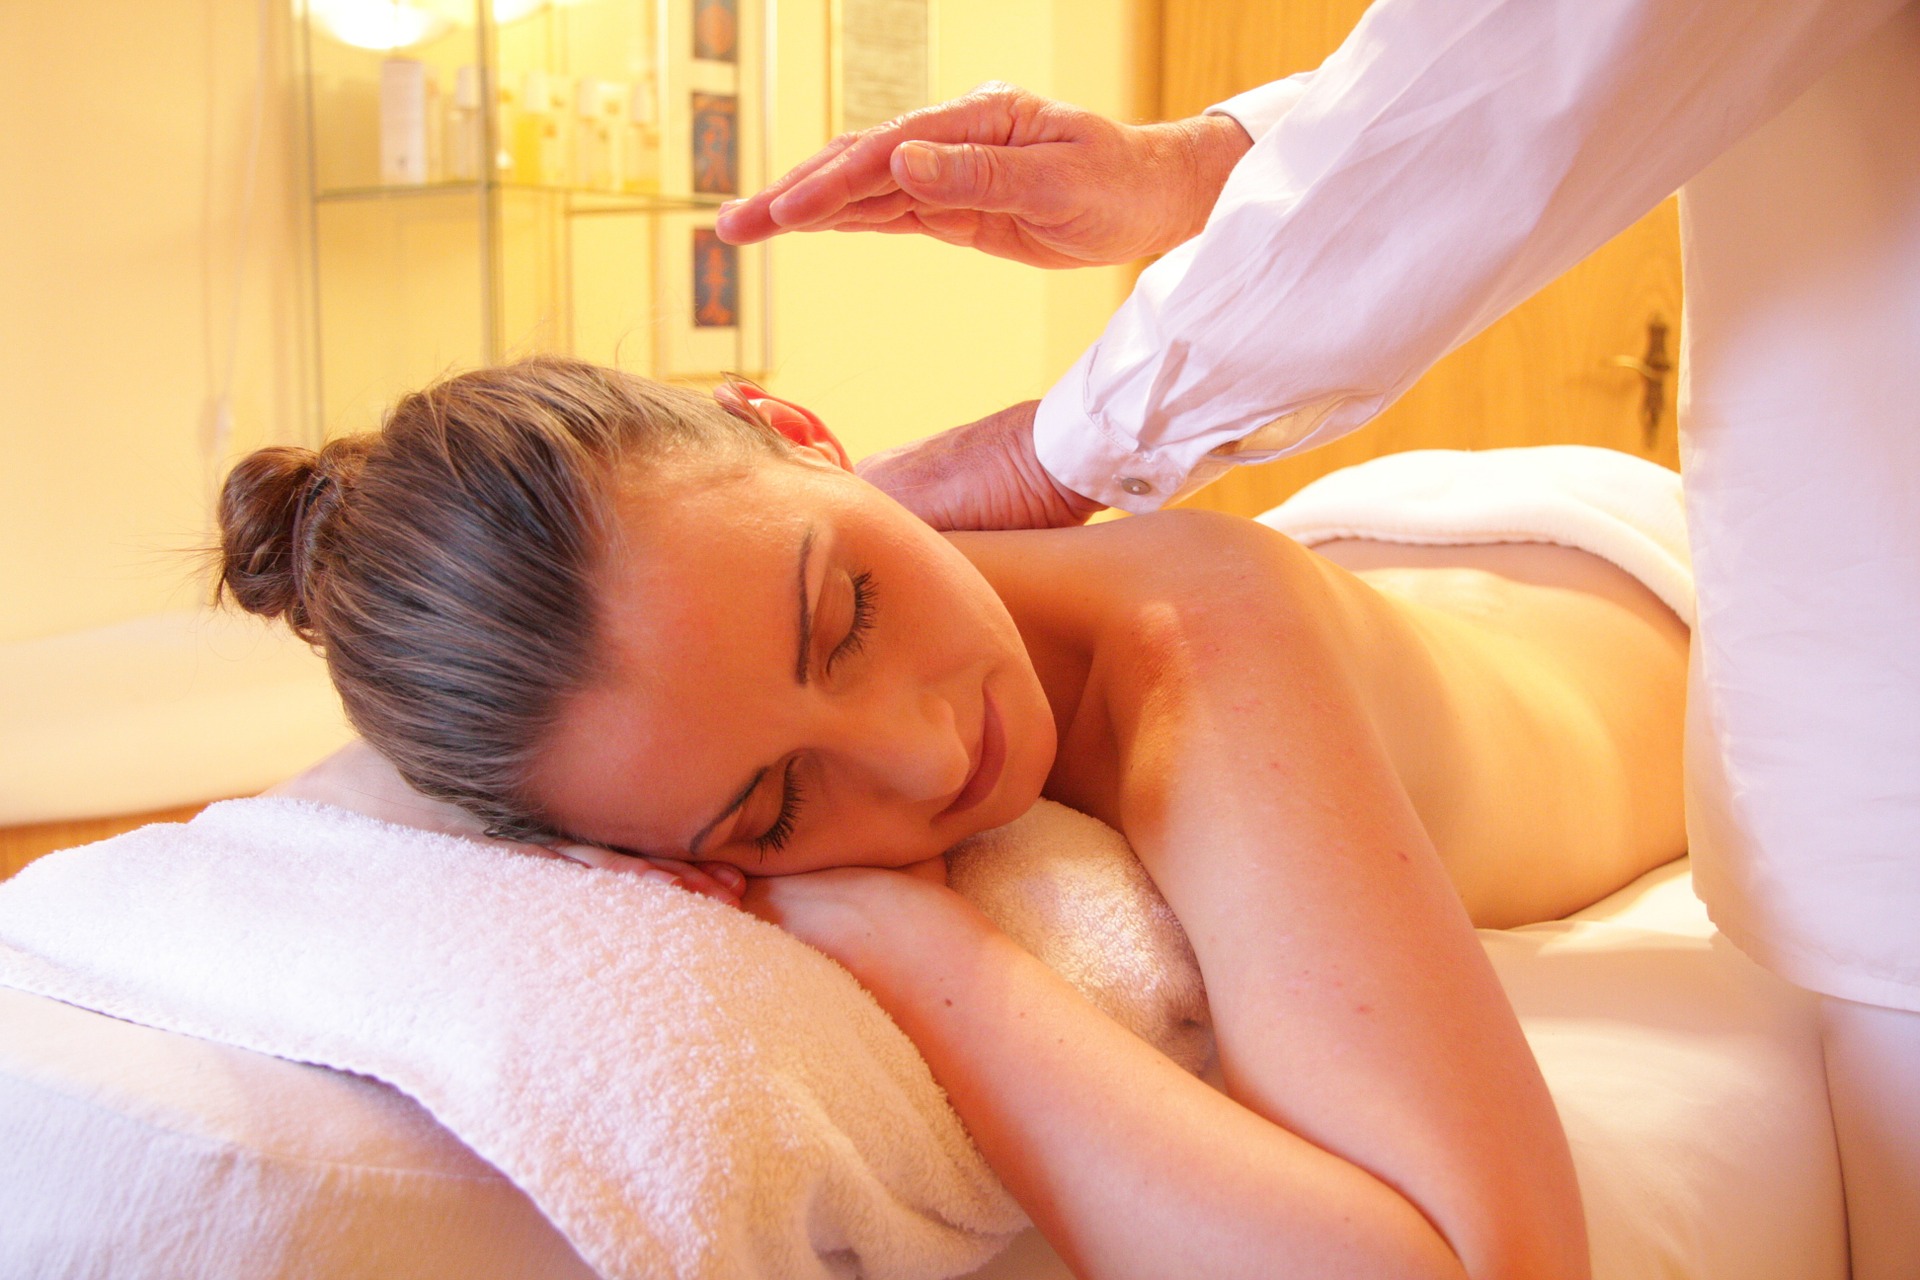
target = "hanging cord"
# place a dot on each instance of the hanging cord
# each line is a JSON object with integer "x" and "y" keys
{"x": 219, "y": 437}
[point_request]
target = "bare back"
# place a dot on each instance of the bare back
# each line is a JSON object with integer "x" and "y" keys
{"x": 1529, "y": 696}
{"x": 1533, "y": 698}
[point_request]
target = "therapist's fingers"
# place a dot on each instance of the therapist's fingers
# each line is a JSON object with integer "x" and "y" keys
{"x": 1040, "y": 181}
{"x": 862, "y": 213}
{"x": 858, "y": 166}
{"x": 713, "y": 879}
{"x": 747, "y": 221}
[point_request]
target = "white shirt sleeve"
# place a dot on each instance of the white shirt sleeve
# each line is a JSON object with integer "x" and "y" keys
{"x": 1448, "y": 160}
{"x": 1259, "y": 109}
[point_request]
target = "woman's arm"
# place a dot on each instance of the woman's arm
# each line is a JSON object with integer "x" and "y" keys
{"x": 1128, "y": 1165}
{"x": 1352, "y": 1004}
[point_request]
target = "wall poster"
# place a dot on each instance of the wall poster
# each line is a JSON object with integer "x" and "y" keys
{"x": 881, "y": 61}
{"x": 710, "y": 297}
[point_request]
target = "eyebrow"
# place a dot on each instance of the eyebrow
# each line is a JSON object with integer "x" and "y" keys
{"x": 806, "y": 612}
{"x": 800, "y": 665}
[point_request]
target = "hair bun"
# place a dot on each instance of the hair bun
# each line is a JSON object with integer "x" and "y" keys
{"x": 274, "y": 508}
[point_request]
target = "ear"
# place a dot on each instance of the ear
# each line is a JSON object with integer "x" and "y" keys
{"x": 798, "y": 424}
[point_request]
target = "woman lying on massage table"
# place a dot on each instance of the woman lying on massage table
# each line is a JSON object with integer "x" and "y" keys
{"x": 585, "y": 607}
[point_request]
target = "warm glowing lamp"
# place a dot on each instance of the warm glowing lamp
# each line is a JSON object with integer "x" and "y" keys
{"x": 388, "y": 25}
{"x": 380, "y": 24}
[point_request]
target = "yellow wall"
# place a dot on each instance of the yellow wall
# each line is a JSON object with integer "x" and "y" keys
{"x": 127, "y": 124}
{"x": 892, "y": 337}
{"x": 124, "y": 168}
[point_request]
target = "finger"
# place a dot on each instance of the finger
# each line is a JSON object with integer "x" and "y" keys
{"x": 880, "y": 208}
{"x": 696, "y": 878}
{"x": 859, "y": 171}
{"x": 1034, "y": 182}
{"x": 863, "y": 169}
{"x": 684, "y": 875}
{"x": 747, "y": 221}
{"x": 905, "y": 224}
{"x": 945, "y": 225}
{"x": 732, "y": 877}
{"x": 593, "y": 855}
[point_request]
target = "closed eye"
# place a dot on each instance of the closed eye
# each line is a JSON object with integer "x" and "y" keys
{"x": 781, "y": 831}
{"x": 863, "y": 605}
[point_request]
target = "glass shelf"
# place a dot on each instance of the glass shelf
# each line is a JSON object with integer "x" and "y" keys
{"x": 597, "y": 200}
{"x": 521, "y": 176}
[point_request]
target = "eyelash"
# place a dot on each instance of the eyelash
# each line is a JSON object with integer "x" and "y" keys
{"x": 862, "y": 619}
{"x": 781, "y": 831}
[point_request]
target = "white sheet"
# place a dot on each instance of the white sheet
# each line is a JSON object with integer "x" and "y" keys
{"x": 1690, "y": 1082}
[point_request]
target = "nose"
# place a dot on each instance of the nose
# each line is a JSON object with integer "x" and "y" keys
{"x": 911, "y": 745}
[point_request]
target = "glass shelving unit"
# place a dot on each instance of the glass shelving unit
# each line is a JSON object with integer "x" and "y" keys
{"x": 492, "y": 178}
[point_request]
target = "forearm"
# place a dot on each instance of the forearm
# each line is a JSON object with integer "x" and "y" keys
{"x": 1198, "y": 155}
{"x": 1129, "y": 1166}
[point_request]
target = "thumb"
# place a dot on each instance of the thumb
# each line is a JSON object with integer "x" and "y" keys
{"x": 1019, "y": 180}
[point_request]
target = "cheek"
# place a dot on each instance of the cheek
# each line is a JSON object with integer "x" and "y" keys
{"x": 868, "y": 834}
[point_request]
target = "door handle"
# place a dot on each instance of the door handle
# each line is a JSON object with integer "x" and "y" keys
{"x": 1653, "y": 368}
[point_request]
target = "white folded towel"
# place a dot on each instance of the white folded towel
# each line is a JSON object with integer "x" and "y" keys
{"x": 683, "y": 1090}
{"x": 1068, "y": 888}
{"x": 1619, "y": 507}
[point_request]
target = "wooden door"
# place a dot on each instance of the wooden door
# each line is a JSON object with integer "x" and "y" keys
{"x": 1548, "y": 373}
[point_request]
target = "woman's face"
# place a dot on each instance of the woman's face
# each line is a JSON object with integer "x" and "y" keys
{"x": 798, "y": 674}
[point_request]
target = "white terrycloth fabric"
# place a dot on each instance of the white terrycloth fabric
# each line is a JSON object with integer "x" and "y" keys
{"x": 682, "y": 1089}
{"x": 1068, "y": 888}
{"x": 1619, "y": 507}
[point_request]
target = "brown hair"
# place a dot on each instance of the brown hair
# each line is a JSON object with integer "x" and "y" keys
{"x": 444, "y": 565}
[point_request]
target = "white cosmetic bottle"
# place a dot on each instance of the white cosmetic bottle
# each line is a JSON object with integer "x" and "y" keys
{"x": 640, "y": 143}
{"x": 404, "y": 112}
{"x": 592, "y": 138}
{"x": 466, "y": 136}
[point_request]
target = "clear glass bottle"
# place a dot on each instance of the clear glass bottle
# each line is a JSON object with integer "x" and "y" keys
{"x": 612, "y": 108}
{"x": 506, "y": 132}
{"x": 533, "y": 129}
{"x": 465, "y": 138}
{"x": 640, "y": 145}
{"x": 592, "y": 140}
{"x": 405, "y": 95}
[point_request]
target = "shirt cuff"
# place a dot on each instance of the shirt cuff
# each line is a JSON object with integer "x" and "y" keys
{"x": 1098, "y": 462}
{"x": 1258, "y": 110}
{"x": 1083, "y": 455}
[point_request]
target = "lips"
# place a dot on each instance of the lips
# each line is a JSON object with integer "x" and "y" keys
{"x": 986, "y": 769}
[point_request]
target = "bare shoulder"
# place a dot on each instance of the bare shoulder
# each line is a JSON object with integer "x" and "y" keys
{"x": 1205, "y": 563}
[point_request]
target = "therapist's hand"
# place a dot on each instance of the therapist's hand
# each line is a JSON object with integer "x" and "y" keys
{"x": 984, "y": 475}
{"x": 1011, "y": 174}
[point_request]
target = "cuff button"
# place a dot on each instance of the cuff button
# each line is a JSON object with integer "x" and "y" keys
{"x": 1136, "y": 486}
